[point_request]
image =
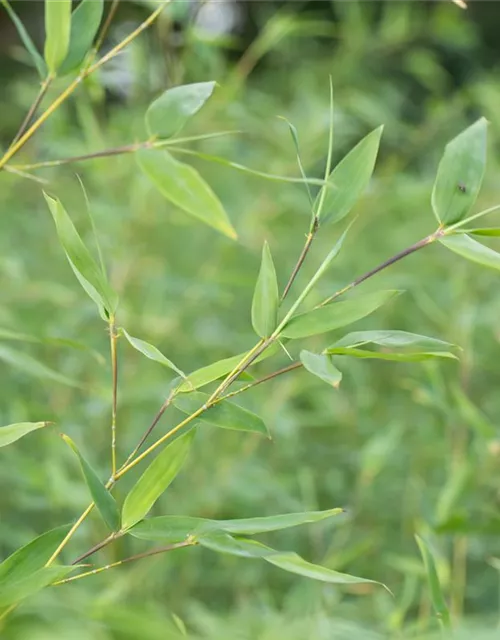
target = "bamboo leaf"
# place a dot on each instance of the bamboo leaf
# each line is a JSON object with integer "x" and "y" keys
{"x": 484, "y": 231}
{"x": 266, "y": 297}
{"x": 460, "y": 174}
{"x": 13, "y": 432}
{"x": 436, "y": 592}
{"x": 349, "y": 179}
{"x": 183, "y": 185}
{"x": 155, "y": 480}
{"x": 13, "y": 592}
{"x": 168, "y": 114}
{"x": 85, "y": 21}
{"x": 472, "y": 250}
{"x": 322, "y": 367}
{"x": 152, "y": 353}
{"x": 103, "y": 499}
{"x": 57, "y": 32}
{"x": 29, "y": 365}
{"x": 84, "y": 266}
{"x": 39, "y": 62}
{"x": 336, "y": 314}
{"x": 225, "y": 414}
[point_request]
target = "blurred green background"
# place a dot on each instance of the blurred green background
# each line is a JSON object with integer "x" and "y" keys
{"x": 404, "y": 448}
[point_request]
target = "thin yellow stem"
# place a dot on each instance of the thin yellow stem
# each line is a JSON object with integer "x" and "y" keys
{"x": 69, "y": 535}
{"x": 114, "y": 375}
{"x": 32, "y": 110}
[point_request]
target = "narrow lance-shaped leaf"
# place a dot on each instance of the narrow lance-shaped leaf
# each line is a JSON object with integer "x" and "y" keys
{"x": 460, "y": 174}
{"x": 349, "y": 179}
{"x": 484, "y": 231}
{"x": 336, "y": 314}
{"x": 103, "y": 499}
{"x": 472, "y": 250}
{"x": 153, "y": 482}
{"x": 168, "y": 114}
{"x": 436, "y": 592}
{"x": 15, "y": 592}
{"x": 26, "y": 40}
{"x": 183, "y": 185}
{"x": 26, "y": 363}
{"x": 295, "y": 138}
{"x": 85, "y": 21}
{"x": 84, "y": 266}
{"x": 266, "y": 297}
{"x": 322, "y": 367}
{"x": 13, "y": 432}
{"x": 152, "y": 353}
{"x": 225, "y": 414}
{"x": 57, "y": 32}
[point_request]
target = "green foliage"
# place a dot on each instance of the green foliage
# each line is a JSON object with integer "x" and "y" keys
{"x": 265, "y": 301}
{"x": 57, "y": 32}
{"x": 85, "y": 21}
{"x": 13, "y": 432}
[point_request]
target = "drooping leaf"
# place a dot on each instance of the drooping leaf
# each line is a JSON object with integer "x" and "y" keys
{"x": 178, "y": 528}
{"x": 168, "y": 114}
{"x": 225, "y": 414}
{"x": 322, "y": 367}
{"x": 288, "y": 561}
{"x": 102, "y": 498}
{"x": 436, "y": 592}
{"x": 28, "y": 364}
{"x": 85, "y": 21}
{"x": 349, "y": 179}
{"x": 13, "y": 432}
{"x": 155, "y": 480}
{"x": 336, "y": 314}
{"x": 15, "y": 591}
{"x": 266, "y": 297}
{"x": 472, "y": 250}
{"x": 57, "y": 32}
{"x": 84, "y": 266}
{"x": 183, "y": 185}
{"x": 460, "y": 174}
{"x": 32, "y": 556}
{"x": 26, "y": 40}
{"x": 152, "y": 353}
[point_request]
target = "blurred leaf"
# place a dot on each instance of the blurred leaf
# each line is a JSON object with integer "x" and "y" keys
{"x": 103, "y": 499}
{"x": 460, "y": 174}
{"x": 13, "y": 432}
{"x": 14, "y": 591}
{"x": 183, "y": 185}
{"x": 266, "y": 297}
{"x": 26, "y": 40}
{"x": 177, "y": 528}
{"x": 472, "y": 250}
{"x": 471, "y": 414}
{"x": 225, "y": 414}
{"x": 155, "y": 480}
{"x": 436, "y": 593}
{"x": 295, "y": 138}
{"x": 349, "y": 179}
{"x": 484, "y": 231}
{"x": 168, "y": 114}
{"x": 152, "y": 352}
{"x": 85, "y": 21}
{"x": 452, "y": 491}
{"x": 57, "y": 32}
{"x": 336, "y": 314}
{"x": 26, "y": 363}
{"x": 32, "y": 556}
{"x": 85, "y": 268}
{"x": 322, "y": 367}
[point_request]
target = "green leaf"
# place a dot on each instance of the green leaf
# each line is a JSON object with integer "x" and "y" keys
{"x": 57, "y": 32}
{"x": 336, "y": 314}
{"x": 29, "y": 365}
{"x": 155, "y": 480}
{"x": 322, "y": 367}
{"x": 183, "y": 185}
{"x": 460, "y": 174}
{"x": 26, "y": 40}
{"x": 168, "y": 114}
{"x": 349, "y": 179}
{"x": 484, "y": 231}
{"x": 152, "y": 353}
{"x": 295, "y": 138}
{"x": 472, "y": 250}
{"x": 103, "y": 499}
{"x": 288, "y": 561}
{"x": 178, "y": 528}
{"x": 436, "y": 592}
{"x": 85, "y": 21}
{"x": 225, "y": 414}
{"x": 413, "y": 347}
{"x": 84, "y": 266}
{"x": 266, "y": 297}
{"x": 14, "y": 592}
{"x": 13, "y": 432}
{"x": 212, "y": 372}
{"x": 32, "y": 556}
